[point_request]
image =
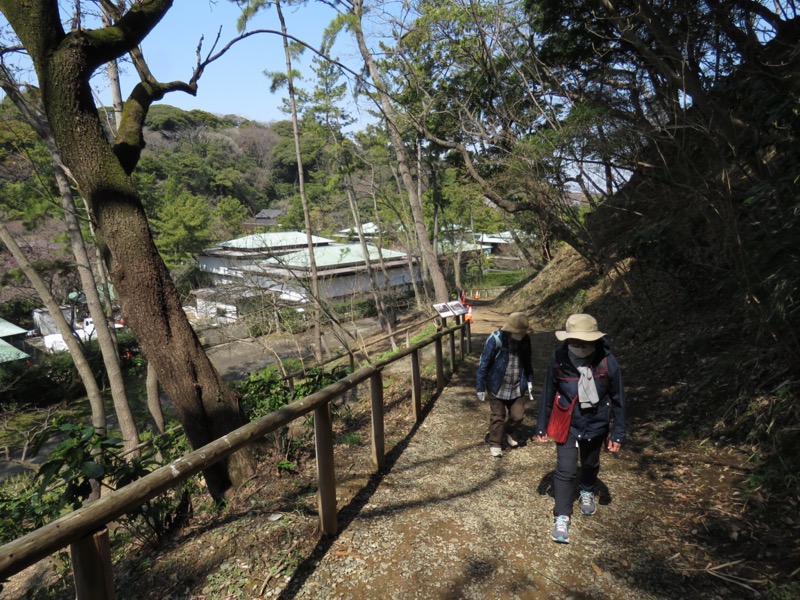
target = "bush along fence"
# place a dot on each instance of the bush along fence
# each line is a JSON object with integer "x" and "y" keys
{"x": 85, "y": 531}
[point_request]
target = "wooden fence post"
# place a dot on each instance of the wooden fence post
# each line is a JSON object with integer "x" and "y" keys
{"x": 354, "y": 389}
{"x": 452, "y": 352}
{"x": 416, "y": 387}
{"x": 378, "y": 443}
{"x": 439, "y": 365}
{"x": 469, "y": 337}
{"x": 326, "y": 475}
{"x": 461, "y": 333}
{"x": 91, "y": 567}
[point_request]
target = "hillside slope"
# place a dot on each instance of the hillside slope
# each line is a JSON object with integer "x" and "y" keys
{"x": 705, "y": 381}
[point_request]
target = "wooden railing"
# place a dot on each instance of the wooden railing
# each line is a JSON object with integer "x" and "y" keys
{"x": 85, "y": 532}
{"x": 350, "y": 353}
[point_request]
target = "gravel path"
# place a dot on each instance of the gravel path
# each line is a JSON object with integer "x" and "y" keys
{"x": 447, "y": 520}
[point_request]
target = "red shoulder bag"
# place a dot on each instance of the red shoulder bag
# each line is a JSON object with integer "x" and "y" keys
{"x": 560, "y": 419}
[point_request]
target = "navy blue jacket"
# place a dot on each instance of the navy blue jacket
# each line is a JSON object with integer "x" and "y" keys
{"x": 494, "y": 362}
{"x": 563, "y": 377}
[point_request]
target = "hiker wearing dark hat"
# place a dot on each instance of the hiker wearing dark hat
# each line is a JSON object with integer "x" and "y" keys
{"x": 505, "y": 377}
{"x": 582, "y": 407}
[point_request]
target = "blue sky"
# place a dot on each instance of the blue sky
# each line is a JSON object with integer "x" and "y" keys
{"x": 235, "y": 83}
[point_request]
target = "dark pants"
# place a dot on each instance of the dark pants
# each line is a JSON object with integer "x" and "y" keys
{"x": 567, "y": 470}
{"x": 498, "y": 426}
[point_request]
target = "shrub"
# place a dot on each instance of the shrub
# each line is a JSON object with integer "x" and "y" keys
{"x": 83, "y": 458}
{"x": 51, "y": 378}
{"x": 264, "y": 392}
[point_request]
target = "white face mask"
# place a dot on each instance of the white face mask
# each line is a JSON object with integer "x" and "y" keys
{"x": 581, "y": 351}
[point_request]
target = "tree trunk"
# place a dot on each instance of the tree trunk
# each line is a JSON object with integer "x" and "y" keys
{"x": 414, "y": 259}
{"x": 153, "y": 399}
{"x": 389, "y": 114}
{"x": 376, "y": 293}
{"x": 312, "y": 262}
{"x": 108, "y": 346}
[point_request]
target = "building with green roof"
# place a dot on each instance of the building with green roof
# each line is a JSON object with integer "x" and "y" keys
{"x": 224, "y": 260}
{"x": 285, "y": 279}
{"x": 342, "y": 270}
{"x": 8, "y": 351}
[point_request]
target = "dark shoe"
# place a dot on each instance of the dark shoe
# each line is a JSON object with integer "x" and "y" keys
{"x": 586, "y": 502}
{"x": 561, "y": 530}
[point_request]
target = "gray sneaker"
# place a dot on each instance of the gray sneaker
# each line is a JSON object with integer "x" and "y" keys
{"x": 561, "y": 530}
{"x": 586, "y": 502}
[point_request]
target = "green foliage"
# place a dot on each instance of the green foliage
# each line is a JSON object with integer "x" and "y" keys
{"x": 318, "y": 378}
{"x": 361, "y": 308}
{"x": 427, "y": 331}
{"x": 49, "y": 379}
{"x": 774, "y": 426}
{"x": 26, "y": 185}
{"x": 265, "y": 392}
{"x": 23, "y": 507}
{"x": 287, "y": 466}
{"x": 788, "y": 591}
{"x": 228, "y": 218}
{"x": 163, "y": 117}
{"x": 20, "y": 311}
{"x": 153, "y": 520}
{"x": 81, "y": 457}
{"x": 182, "y": 228}
{"x": 350, "y": 438}
{"x": 63, "y": 481}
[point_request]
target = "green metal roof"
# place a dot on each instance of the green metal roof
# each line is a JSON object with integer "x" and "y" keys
{"x": 335, "y": 255}
{"x": 272, "y": 239}
{"x": 7, "y": 329}
{"x": 9, "y": 352}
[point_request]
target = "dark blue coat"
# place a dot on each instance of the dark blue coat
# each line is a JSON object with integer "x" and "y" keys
{"x": 494, "y": 361}
{"x": 563, "y": 377}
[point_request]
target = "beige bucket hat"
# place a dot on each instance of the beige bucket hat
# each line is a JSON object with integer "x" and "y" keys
{"x": 517, "y": 323}
{"x": 580, "y": 327}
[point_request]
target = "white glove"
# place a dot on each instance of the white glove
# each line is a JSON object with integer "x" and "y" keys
{"x": 481, "y": 396}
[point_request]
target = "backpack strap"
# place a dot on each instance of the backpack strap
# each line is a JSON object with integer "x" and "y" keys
{"x": 498, "y": 344}
{"x": 602, "y": 372}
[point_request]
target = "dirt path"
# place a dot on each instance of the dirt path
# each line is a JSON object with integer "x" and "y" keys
{"x": 448, "y": 521}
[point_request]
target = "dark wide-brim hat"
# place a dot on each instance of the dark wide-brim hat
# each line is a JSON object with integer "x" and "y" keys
{"x": 580, "y": 327}
{"x": 517, "y": 323}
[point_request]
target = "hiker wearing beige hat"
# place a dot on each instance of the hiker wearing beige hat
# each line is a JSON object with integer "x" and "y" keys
{"x": 582, "y": 407}
{"x": 505, "y": 378}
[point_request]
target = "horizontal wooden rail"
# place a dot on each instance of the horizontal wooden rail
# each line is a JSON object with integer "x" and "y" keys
{"x": 90, "y": 519}
{"x": 351, "y": 351}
